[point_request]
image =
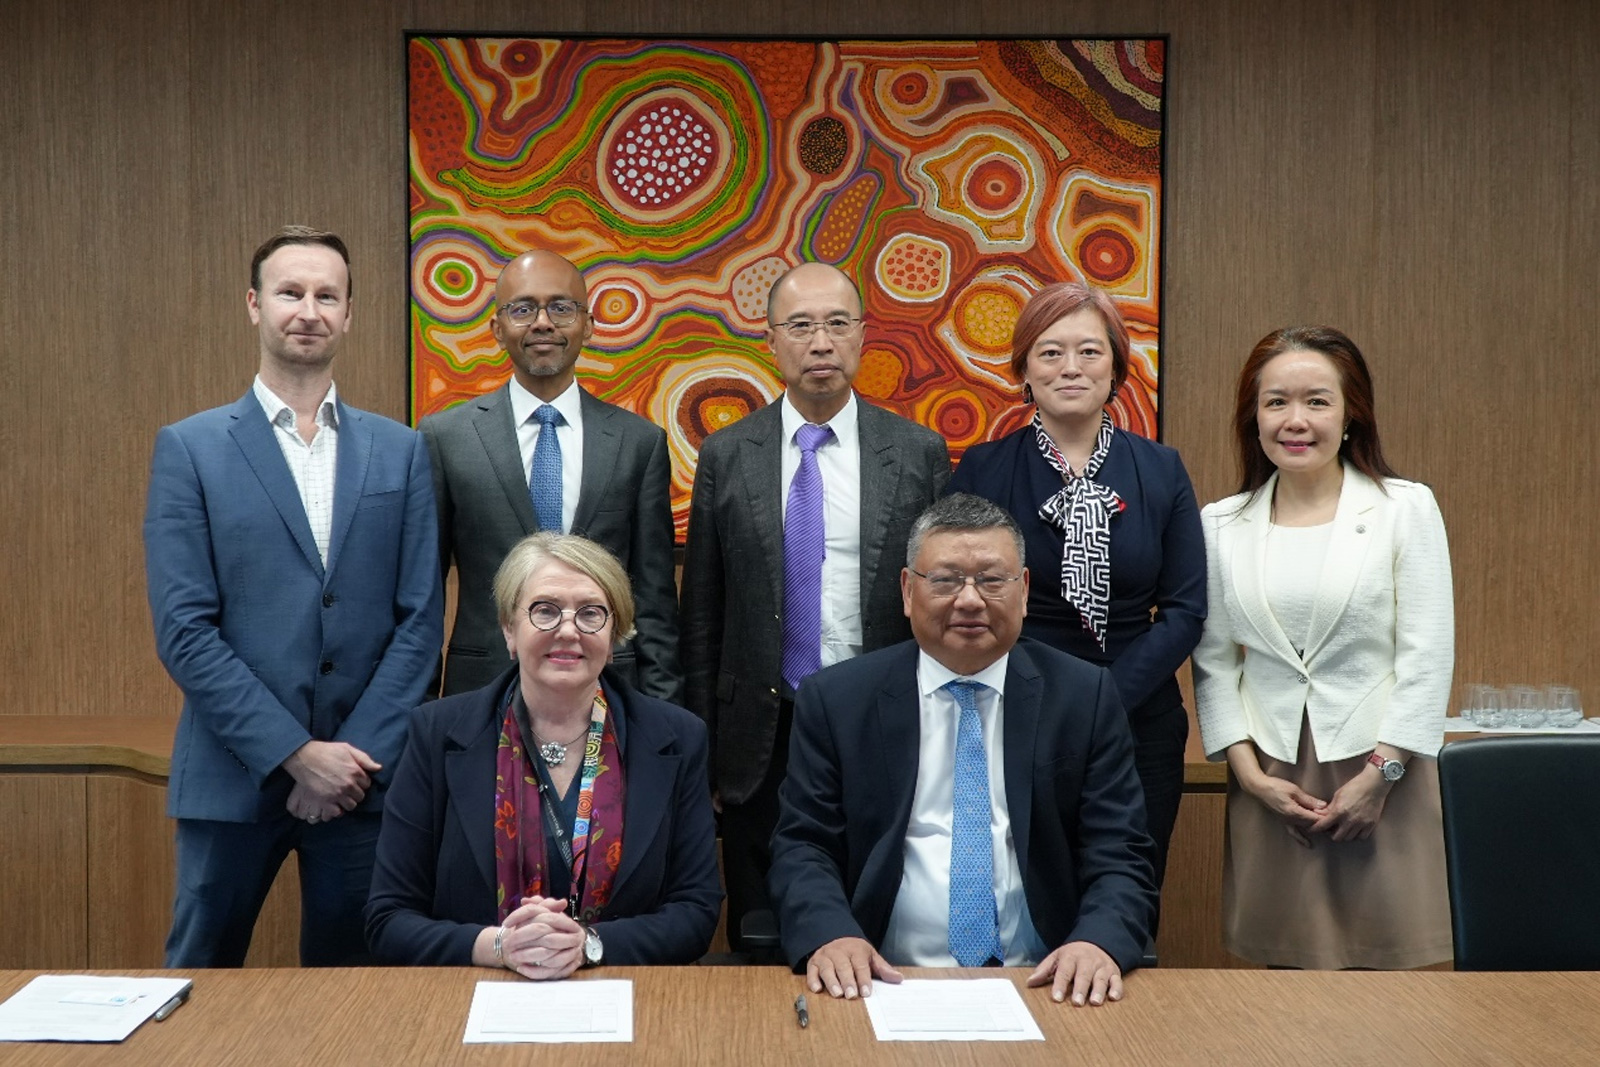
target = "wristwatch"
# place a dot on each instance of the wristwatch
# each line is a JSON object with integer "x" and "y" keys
{"x": 594, "y": 953}
{"x": 1392, "y": 769}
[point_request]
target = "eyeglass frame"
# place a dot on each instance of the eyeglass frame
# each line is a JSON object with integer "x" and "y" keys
{"x": 805, "y": 329}
{"x": 579, "y": 310}
{"x": 562, "y": 614}
{"x": 968, "y": 579}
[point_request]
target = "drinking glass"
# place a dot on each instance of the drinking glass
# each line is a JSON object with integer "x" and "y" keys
{"x": 1526, "y": 706}
{"x": 1565, "y": 709}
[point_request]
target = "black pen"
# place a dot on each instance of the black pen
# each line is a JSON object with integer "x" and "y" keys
{"x": 171, "y": 1006}
{"x": 800, "y": 1011}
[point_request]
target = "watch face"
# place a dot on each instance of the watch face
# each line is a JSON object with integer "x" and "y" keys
{"x": 592, "y": 949}
{"x": 1393, "y": 770}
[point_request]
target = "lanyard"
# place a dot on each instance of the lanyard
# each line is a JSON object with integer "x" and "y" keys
{"x": 579, "y": 845}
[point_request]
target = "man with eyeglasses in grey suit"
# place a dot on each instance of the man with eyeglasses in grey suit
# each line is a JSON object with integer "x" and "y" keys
{"x": 799, "y": 518}
{"x": 541, "y": 453}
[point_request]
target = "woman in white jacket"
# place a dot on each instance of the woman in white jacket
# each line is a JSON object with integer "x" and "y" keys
{"x": 1323, "y": 674}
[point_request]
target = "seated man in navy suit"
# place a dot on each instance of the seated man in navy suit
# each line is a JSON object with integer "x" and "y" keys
{"x": 964, "y": 799}
{"x": 291, "y": 550}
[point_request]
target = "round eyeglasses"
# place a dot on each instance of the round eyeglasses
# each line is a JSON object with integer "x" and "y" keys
{"x": 802, "y": 329}
{"x": 561, "y": 312}
{"x": 949, "y": 584}
{"x": 589, "y": 619}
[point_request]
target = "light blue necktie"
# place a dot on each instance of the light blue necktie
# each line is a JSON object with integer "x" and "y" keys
{"x": 544, "y": 479}
{"x": 974, "y": 918}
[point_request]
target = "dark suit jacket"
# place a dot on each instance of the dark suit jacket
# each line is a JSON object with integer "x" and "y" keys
{"x": 1077, "y": 812}
{"x": 624, "y": 503}
{"x": 1158, "y": 559}
{"x": 733, "y": 572}
{"x": 433, "y": 886}
{"x": 271, "y": 648}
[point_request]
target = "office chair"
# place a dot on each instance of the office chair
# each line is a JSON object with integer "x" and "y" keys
{"x": 1522, "y": 848}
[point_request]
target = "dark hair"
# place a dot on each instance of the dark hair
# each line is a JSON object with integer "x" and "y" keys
{"x": 1054, "y": 303}
{"x": 961, "y": 511}
{"x": 1360, "y": 448}
{"x": 302, "y": 235}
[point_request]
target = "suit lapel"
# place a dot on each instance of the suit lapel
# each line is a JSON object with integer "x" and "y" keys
{"x": 1359, "y": 501}
{"x": 602, "y": 451}
{"x": 899, "y": 738}
{"x": 880, "y": 474}
{"x": 760, "y": 467}
{"x": 651, "y": 771}
{"x": 469, "y": 772}
{"x": 254, "y": 435}
{"x": 350, "y": 477}
{"x": 1246, "y": 536}
{"x": 498, "y": 435}
{"x": 1020, "y": 735}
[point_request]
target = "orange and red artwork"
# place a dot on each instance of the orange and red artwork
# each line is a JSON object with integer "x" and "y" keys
{"x": 950, "y": 179}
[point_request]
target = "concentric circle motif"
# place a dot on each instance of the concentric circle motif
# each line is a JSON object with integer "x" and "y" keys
{"x": 996, "y": 186}
{"x": 915, "y": 269}
{"x": 521, "y": 59}
{"x": 958, "y": 417}
{"x": 1107, "y": 255}
{"x": 984, "y": 317}
{"x": 712, "y": 403}
{"x": 616, "y": 306}
{"x": 660, "y": 154}
{"x": 449, "y": 280}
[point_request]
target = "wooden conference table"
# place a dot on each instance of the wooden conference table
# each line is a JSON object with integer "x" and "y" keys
{"x": 730, "y": 1015}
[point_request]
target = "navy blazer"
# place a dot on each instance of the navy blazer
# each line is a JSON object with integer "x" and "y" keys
{"x": 433, "y": 885}
{"x": 1077, "y": 810}
{"x": 1158, "y": 559}
{"x": 271, "y": 648}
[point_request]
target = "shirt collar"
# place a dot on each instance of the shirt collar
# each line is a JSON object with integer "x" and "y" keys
{"x": 281, "y": 414}
{"x": 843, "y": 424}
{"x": 524, "y": 403}
{"x": 933, "y": 675}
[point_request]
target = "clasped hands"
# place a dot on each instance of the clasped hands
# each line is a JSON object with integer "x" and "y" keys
{"x": 846, "y": 966}
{"x": 539, "y": 940}
{"x": 330, "y": 778}
{"x": 1351, "y": 815}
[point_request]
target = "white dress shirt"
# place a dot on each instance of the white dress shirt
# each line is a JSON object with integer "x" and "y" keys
{"x": 312, "y": 465}
{"x": 839, "y": 463}
{"x": 919, "y": 925}
{"x": 1293, "y": 568}
{"x": 569, "y": 435}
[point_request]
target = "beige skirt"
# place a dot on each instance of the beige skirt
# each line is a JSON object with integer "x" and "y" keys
{"x": 1381, "y": 903}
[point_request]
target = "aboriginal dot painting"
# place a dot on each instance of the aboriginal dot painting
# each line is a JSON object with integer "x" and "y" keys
{"x": 950, "y": 179}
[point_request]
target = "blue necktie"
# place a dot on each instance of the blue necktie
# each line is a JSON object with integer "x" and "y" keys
{"x": 805, "y": 538}
{"x": 544, "y": 479}
{"x": 974, "y": 918}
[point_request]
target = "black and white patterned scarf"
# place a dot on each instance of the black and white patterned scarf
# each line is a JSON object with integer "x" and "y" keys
{"x": 1082, "y": 511}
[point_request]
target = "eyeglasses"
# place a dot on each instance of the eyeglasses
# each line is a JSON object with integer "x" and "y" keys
{"x": 561, "y": 312}
{"x": 989, "y": 586}
{"x": 802, "y": 329}
{"x": 589, "y": 619}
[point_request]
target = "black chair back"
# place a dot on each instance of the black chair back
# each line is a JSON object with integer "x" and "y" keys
{"x": 1522, "y": 845}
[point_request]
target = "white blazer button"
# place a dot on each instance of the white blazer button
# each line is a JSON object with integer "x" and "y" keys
{"x": 1361, "y": 529}
{"x": 1300, "y": 678}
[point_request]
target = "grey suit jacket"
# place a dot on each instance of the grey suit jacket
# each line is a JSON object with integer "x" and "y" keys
{"x": 624, "y": 503}
{"x": 732, "y": 597}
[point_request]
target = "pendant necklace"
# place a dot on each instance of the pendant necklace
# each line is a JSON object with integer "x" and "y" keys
{"x": 553, "y": 752}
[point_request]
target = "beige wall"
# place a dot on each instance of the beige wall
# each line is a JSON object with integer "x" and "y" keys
{"x": 1423, "y": 173}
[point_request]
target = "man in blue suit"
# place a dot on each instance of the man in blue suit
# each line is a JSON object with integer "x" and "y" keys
{"x": 966, "y": 798}
{"x": 291, "y": 550}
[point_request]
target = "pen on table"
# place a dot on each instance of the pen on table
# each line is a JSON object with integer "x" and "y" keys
{"x": 171, "y": 1006}
{"x": 800, "y": 1011}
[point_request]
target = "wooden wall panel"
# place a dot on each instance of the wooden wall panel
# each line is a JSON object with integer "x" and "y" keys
{"x": 130, "y": 872}
{"x": 42, "y": 855}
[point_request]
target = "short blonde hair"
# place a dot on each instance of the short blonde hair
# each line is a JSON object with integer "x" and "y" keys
{"x": 579, "y": 553}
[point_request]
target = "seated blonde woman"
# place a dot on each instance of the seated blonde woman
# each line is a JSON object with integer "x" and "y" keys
{"x": 556, "y": 818}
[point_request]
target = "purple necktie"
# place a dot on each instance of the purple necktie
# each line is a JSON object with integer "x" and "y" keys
{"x": 804, "y": 546}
